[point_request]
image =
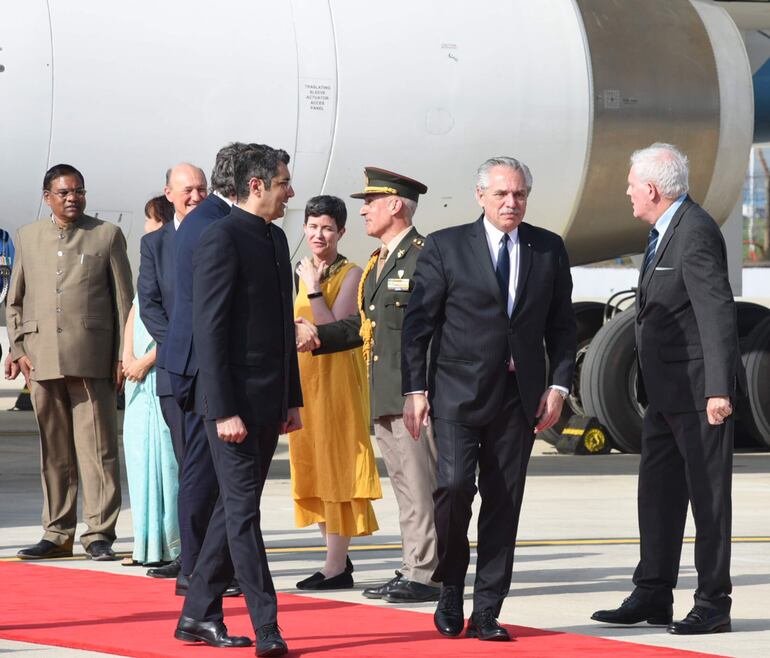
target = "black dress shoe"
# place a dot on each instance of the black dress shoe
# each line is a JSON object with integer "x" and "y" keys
{"x": 448, "y": 617}
{"x": 101, "y": 551}
{"x": 702, "y": 620}
{"x": 213, "y": 633}
{"x": 381, "y": 590}
{"x": 634, "y": 610}
{"x": 310, "y": 581}
{"x": 233, "y": 590}
{"x": 44, "y": 550}
{"x": 349, "y": 565}
{"x": 170, "y": 570}
{"x": 319, "y": 582}
{"x": 410, "y": 591}
{"x": 484, "y": 626}
{"x": 183, "y": 584}
{"x": 269, "y": 641}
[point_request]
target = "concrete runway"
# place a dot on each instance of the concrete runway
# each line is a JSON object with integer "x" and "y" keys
{"x": 578, "y": 544}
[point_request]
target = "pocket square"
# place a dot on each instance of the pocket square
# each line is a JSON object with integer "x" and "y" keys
{"x": 664, "y": 269}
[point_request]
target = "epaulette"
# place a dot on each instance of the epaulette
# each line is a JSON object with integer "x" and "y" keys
{"x": 418, "y": 242}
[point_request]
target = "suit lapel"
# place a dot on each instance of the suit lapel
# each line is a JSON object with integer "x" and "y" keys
{"x": 390, "y": 264}
{"x": 525, "y": 262}
{"x": 645, "y": 278}
{"x": 169, "y": 269}
{"x": 483, "y": 260}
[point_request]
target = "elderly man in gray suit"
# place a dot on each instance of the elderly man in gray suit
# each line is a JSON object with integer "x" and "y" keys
{"x": 68, "y": 301}
{"x": 690, "y": 374}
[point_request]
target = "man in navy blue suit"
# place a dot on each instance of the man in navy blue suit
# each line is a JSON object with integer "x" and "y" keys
{"x": 198, "y": 487}
{"x": 180, "y": 360}
{"x": 185, "y": 189}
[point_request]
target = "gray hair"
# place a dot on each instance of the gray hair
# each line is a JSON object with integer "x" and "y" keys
{"x": 482, "y": 173}
{"x": 663, "y": 165}
{"x": 410, "y": 207}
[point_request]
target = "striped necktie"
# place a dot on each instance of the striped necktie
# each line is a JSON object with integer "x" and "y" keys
{"x": 649, "y": 254}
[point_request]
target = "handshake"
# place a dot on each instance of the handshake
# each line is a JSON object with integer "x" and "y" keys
{"x": 306, "y": 335}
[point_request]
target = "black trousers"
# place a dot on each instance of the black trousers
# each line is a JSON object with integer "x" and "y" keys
{"x": 198, "y": 487}
{"x": 241, "y": 469}
{"x": 501, "y": 450}
{"x": 684, "y": 459}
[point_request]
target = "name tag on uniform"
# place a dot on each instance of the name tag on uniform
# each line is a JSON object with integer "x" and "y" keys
{"x": 398, "y": 285}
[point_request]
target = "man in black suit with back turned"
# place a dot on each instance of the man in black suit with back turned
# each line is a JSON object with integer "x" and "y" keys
{"x": 248, "y": 391}
{"x": 690, "y": 371}
{"x": 491, "y": 298}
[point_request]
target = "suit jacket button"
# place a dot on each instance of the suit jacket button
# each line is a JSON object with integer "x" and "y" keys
{"x": 374, "y": 324}
{"x": 371, "y": 307}
{"x": 376, "y": 358}
{"x": 58, "y": 330}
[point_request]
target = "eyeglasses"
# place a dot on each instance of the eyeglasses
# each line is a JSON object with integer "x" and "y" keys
{"x": 63, "y": 194}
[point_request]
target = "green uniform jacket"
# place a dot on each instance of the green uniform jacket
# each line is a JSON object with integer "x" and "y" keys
{"x": 385, "y": 307}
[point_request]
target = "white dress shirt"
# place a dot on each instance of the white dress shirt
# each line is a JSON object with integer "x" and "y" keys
{"x": 494, "y": 235}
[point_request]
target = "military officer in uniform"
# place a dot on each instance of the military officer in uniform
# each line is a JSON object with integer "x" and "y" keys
{"x": 390, "y": 201}
{"x": 69, "y": 298}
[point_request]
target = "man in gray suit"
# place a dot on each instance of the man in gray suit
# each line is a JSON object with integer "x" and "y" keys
{"x": 69, "y": 298}
{"x": 691, "y": 371}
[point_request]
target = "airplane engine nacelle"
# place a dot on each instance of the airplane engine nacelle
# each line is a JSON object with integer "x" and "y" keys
{"x": 430, "y": 89}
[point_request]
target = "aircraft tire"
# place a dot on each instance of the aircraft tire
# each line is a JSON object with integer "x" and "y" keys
{"x": 589, "y": 318}
{"x": 608, "y": 382}
{"x": 756, "y": 359}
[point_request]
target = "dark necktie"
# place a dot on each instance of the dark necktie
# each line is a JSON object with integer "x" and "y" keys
{"x": 649, "y": 253}
{"x": 503, "y": 269}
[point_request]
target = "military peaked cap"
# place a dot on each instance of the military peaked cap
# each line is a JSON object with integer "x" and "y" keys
{"x": 382, "y": 181}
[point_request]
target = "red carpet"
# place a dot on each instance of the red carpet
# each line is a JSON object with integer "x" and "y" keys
{"x": 132, "y": 616}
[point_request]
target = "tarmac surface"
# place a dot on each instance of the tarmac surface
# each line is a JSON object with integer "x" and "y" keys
{"x": 578, "y": 544}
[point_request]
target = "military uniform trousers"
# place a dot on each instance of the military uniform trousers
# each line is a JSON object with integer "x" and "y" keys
{"x": 77, "y": 419}
{"x": 412, "y": 470}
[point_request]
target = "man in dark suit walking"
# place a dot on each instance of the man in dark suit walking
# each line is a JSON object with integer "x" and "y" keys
{"x": 185, "y": 189}
{"x": 691, "y": 370}
{"x": 488, "y": 296}
{"x": 248, "y": 391}
{"x": 198, "y": 487}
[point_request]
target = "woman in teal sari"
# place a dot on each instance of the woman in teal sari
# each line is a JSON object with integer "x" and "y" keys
{"x": 150, "y": 463}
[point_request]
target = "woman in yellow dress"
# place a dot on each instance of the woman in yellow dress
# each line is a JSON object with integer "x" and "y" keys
{"x": 333, "y": 471}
